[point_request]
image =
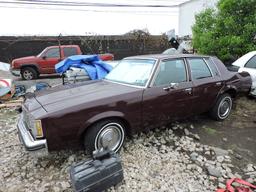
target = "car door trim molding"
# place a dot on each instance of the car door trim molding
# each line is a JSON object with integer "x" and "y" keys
{"x": 208, "y": 67}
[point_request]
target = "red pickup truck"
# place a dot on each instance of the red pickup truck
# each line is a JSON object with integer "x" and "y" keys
{"x": 44, "y": 63}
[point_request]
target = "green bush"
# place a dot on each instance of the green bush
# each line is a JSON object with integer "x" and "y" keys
{"x": 227, "y": 32}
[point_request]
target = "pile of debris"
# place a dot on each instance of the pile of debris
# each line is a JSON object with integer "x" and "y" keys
{"x": 12, "y": 95}
{"x": 7, "y": 88}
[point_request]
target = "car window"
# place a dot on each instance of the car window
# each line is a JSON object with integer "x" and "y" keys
{"x": 199, "y": 69}
{"x": 132, "y": 71}
{"x": 69, "y": 51}
{"x": 53, "y": 53}
{"x": 251, "y": 63}
{"x": 171, "y": 71}
{"x": 213, "y": 66}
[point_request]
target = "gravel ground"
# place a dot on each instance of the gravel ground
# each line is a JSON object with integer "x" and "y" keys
{"x": 161, "y": 160}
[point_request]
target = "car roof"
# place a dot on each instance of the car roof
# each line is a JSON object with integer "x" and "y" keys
{"x": 56, "y": 46}
{"x": 164, "y": 56}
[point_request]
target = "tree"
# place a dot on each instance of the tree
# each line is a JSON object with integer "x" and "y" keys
{"x": 228, "y": 31}
{"x": 138, "y": 32}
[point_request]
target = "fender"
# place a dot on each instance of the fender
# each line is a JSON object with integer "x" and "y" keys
{"x": 31, "y": 65}
{"x": 98, "y": 117}
{"x": 226, "y": 88}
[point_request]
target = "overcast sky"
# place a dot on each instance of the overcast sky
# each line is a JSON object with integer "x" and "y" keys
{"x": 20, "y": 19}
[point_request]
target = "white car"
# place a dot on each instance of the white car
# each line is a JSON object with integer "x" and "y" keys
{"x": 247, "y": 63}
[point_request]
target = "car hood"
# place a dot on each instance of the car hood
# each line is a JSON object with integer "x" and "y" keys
{"x": 24, "y": 59}
{"x": 76, "y": 97}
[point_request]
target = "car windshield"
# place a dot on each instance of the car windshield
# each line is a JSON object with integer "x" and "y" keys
{"x": 132, "y": 71}
{"x": 41, "y": 54}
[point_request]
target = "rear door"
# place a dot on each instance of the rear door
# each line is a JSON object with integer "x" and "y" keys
{"x": 50, "y": 58}
{"x": 69, "y": 51}
{"x": 169, "y": 96}
{"x": 206, "y": 82}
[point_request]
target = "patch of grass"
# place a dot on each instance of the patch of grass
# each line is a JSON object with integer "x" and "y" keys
{"x": 209, "y": 130}
{"x": 232, "y": 147}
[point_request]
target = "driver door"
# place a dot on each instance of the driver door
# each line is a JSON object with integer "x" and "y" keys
{"x": 170, "y": 95}
{"x": 49, "y": 60}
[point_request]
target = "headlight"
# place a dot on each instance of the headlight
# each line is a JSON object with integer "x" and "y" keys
{"x": 38, "y": 129}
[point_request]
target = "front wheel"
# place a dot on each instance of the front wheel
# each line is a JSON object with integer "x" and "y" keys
{"x": 29, "y": 73}
{"x": 222, "y": 107}
{"x": 105, "y": 134}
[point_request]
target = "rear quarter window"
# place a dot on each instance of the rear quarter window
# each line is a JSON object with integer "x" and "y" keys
{"x": 69, "y": 51}
{"x": 53, "y": 53}
{"x": 199, "y": 69}
{"x": 213, "y": 67}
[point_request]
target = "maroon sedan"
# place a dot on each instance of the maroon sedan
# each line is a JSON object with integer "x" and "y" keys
{"x": 141, "y": 93}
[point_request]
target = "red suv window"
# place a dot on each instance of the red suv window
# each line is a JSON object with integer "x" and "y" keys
{"x": 69, "y": 51}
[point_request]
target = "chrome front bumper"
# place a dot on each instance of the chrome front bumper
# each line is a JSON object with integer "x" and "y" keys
{"x": 27, "y": 139}
{"x": 15, "y": 72}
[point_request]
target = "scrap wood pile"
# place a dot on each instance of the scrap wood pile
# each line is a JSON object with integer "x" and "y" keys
{"x": 12, "y": 103}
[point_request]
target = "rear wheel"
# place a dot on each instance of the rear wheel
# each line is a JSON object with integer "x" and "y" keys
{"x": 222, "y": 107}
{"x": 105, "y": 134}
{"x": 29, "y": 73}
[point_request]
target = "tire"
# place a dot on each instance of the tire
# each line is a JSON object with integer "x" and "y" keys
{"x": 99, "y": 135}
{"x": 29, "y": 73}
{"x": 222, "y": 107}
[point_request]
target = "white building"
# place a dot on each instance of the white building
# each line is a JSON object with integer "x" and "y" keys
{"x": 187, "y": 12}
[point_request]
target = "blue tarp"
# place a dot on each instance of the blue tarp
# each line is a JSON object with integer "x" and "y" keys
{"x": 93, "y": 65}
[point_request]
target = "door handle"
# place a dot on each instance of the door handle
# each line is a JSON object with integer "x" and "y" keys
{"x": 171, "y": 86}
{"x": 189, "y": 90}
{"x": 218, "y": 83}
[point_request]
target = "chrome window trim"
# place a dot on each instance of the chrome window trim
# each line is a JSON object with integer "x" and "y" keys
{"x": 208, "y": 66}
{"x": 153, "y": 75}
{"x": 219, "y": 74}
{"x": 187, "y": 68}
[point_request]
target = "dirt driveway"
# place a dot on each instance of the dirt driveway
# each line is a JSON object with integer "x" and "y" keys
{"x": 161, "y": 160}
{"x": 237, "y": 133}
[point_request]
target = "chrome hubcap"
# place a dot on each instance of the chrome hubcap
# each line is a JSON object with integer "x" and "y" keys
{"x": 224, "y": 107}
{"x": 111, "y": 136}
{"x": 28, "y": 74}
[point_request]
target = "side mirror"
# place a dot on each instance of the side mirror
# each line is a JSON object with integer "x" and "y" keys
{"x": 44, "y": 57}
